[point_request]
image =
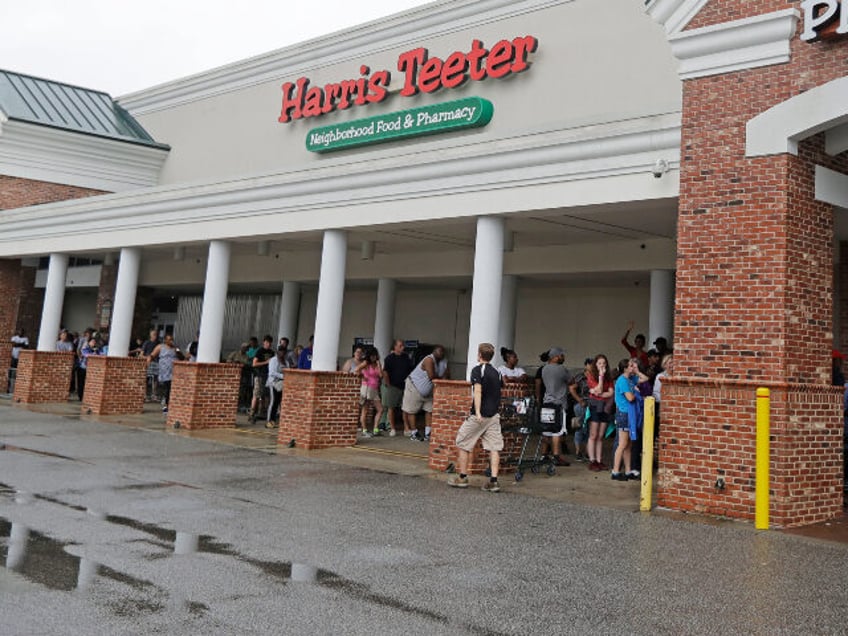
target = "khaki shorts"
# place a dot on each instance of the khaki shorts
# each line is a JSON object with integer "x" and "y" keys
{"x": 368, "y": 394}
{"x": 413, "y": 401}
{"x": 258, "y": 387}
{"x": 392, "y": 396}
{"x": 487, "y": 428}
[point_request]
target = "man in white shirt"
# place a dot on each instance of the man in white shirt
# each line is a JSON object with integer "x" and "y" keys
{"x": 19, "y": 341}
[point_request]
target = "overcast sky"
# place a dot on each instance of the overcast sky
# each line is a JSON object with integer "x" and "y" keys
{"x": 120, "y": 47}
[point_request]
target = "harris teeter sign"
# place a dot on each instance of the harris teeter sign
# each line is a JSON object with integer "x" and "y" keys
{"x": 470, "y": 112}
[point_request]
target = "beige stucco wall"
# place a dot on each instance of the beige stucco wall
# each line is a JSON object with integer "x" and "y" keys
{"x": 583, "y": 320}
{"x": 596, "y": 62}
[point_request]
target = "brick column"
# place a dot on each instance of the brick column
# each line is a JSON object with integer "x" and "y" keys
{"x": 43, "y": 376}
{"x": 754, "y": 298}
{"x": 30, "y": 304}
{"x": 320, "y": 409}
{"x": 451, "y": 405}
{"x": 842, "y": 298}
{"x": 114, "y": 386}
{"x": 142, "y": 313}
{"x": 105, "y": 293}
{"x": 203, "y": 395}
{"x": 10, "y": 291}
{"x": 806, "y": 443}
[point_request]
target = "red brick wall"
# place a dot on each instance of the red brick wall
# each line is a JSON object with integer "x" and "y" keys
{"x": 114, "y": 386}
{"x": 43, "y": 376}
{"x": 320, "y": 409}
{"x": 806, "y": 443}
{"x": 719, "y": 11}
{"x": 451, "y": 406}
{"x": 203, "y": 395}
{"x": 27, "y": 300}
{"x": 754, "y": 295}
{"x": 16, "y": 192}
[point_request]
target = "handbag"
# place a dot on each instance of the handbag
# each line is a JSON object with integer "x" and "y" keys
{"x": 550, "y": 418}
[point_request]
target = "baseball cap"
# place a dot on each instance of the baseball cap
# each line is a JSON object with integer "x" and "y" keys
{"x": 555, "y": 351}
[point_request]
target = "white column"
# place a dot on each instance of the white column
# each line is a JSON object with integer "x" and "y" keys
{"x": 661, "y": 312}
{"x": 54, "y": 297}
{"x": 506, "y": 326}
{"x": 486, "y": 295}
{"x": 214, "y": 300}
{"x": 122, "y": 313}
{"x": 384, "y": 319}
{"x": 289, "y": 311}
{"x": 328, "y": 313}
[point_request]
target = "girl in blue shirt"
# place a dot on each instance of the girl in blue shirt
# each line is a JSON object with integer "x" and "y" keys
{"x": 625, "y": 392}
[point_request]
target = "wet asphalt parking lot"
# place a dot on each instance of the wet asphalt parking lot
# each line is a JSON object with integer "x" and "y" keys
{"x": 106, "y": 529}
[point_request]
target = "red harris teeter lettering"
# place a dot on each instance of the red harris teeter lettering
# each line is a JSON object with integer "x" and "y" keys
{"x": 421, "y": 73}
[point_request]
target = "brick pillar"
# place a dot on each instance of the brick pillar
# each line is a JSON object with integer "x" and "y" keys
{"x": 805, "y": 448}
{"x": 43, "y": 376}
{"x": 451, "y": 406}
{"x": 30, "y": 305}
{"x": 105, "y": 294}
{"x": 203, "y": 395}
{"x": 114, "y": 386}
{"x": 320, "y": 409}
{"x": 143, "y": 312}
{"x": 842, "y": 296}
{"x": 10, "y": 291}
{"x": 754, "y": 300}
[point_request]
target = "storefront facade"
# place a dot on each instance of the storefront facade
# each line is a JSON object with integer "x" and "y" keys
{"x": 543, "y": 168}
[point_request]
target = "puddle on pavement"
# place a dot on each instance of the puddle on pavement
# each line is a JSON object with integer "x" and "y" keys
{"x": 45, "y": 561}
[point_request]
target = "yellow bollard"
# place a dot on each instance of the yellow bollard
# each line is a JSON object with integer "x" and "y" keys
{"x": 647, "y": 456}
{"x": 761, "y": 490}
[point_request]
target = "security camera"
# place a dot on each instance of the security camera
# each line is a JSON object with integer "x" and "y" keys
{"x": 660, "y": 168}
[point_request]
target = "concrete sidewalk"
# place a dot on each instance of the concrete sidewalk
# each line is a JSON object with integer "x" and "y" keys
{"x": 399, "y": 455}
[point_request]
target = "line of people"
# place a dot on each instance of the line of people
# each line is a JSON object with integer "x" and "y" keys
{"x": 602, "y": 401}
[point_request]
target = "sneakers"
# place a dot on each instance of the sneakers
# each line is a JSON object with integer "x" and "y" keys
{"x": 491, "y": 486}
{"x": 595, "y": 466}
{"x": 560, "y": 460}
{"x": 580, "y": 457}
{"x": 376, "y": 432}
{"x": 164, "y": 409}
{"x": 633, "y": 475}
{"x": 414, "y": 437}
{"x": 366, "y": 434}
{"x": 455, "y": 481}
{"x": 618, "y": 476}
{"x": 426, "y": 438}
{"x": 392, "y": 432}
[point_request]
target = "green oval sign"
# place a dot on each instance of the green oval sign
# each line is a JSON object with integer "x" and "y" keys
{"x": 470, "y": 112}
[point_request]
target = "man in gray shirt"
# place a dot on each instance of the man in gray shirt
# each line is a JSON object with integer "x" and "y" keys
{"x": 558, "y": 381}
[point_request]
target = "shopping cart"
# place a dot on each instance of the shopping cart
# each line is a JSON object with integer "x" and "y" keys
{"x": 152, "y": 381}
{"x": 520, "y": 418}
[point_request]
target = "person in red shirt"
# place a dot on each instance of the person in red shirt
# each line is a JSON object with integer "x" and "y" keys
{"x": 637, "y": 349}
{"x": 601, "y": 397}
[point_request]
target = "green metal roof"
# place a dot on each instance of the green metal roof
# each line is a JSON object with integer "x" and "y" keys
{"x": 48, "y": 103}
